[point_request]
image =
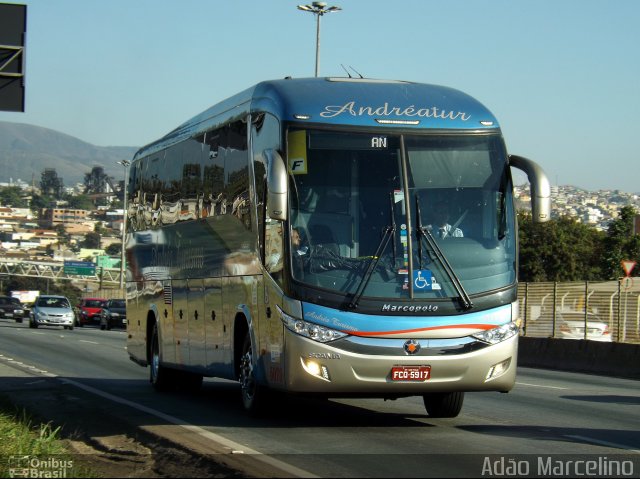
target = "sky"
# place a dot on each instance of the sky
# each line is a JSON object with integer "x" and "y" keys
{"x": 561, "y": 76}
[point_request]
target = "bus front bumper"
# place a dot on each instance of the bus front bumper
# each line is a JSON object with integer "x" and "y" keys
{"x": 381, "y": 367}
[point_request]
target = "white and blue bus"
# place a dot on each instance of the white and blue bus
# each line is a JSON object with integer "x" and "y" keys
{"x": 340, "y": 237}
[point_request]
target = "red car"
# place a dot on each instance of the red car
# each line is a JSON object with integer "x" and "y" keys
{"x": 90, "y": 310}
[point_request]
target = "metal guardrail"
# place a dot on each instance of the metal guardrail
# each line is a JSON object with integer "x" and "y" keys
{"x": 545, "y": 306}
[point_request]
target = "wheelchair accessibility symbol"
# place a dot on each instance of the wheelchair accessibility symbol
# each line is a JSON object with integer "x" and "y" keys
{"x": 422, "y": 279}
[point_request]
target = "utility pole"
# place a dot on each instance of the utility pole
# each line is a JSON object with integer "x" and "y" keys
{"x": 125, "y": 164}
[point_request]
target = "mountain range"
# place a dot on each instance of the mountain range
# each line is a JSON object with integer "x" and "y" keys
{"x": 27, "y": 150}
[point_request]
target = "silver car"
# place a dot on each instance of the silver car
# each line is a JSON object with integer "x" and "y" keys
{"x": 51, "y": 311}
{"x": 572, "y": 326}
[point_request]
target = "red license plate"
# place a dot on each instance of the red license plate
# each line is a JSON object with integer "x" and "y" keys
{"x": 410, "y": 373}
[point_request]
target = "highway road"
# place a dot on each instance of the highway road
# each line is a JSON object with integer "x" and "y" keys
{"x": 548, "y": 420}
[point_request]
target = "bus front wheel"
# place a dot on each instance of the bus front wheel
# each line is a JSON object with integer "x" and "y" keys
{"x": 443, "y": 404}
{"x": 254, "y": 396}
{"x": 159, "y": 375}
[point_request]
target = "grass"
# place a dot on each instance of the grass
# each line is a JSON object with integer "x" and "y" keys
{"x": 22, "y": 438}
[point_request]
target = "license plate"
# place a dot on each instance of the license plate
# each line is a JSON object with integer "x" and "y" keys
{"x": 410, "y": 373}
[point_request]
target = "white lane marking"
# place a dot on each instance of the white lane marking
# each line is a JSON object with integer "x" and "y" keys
{"x": 233, "y": 446}
{"x": 35, "y": 382}
{"x": 540, "y": 386}
{"x": 604, "y": 443}
{"x": 86, "y": 341}
{"x": 33, "y": 369}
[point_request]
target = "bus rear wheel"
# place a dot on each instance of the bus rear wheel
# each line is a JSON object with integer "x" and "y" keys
{"x": 443, "y": 404}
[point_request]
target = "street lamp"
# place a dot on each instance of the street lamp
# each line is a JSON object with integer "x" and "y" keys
{"x": 318, "y": 9}
{"x": 125, "y": 164}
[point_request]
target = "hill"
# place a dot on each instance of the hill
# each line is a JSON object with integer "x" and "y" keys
{"x": 26, "y": 150}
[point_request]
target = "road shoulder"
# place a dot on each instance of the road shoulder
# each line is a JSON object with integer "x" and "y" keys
{"x": 110, "y": 439}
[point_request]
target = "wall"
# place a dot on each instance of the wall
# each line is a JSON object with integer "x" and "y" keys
{"x": 614, "y": 359}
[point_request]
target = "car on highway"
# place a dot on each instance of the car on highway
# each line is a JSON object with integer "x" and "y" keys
{"x": 114, "y": 314}
{"x": 51, "y": 310}
{"x": 90, "y": 310}
{"x": 12, "y": 308}
{"x": 571, "y": 325}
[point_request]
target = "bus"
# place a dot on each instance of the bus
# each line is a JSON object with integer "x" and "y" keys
{"x": 289, "y": 238}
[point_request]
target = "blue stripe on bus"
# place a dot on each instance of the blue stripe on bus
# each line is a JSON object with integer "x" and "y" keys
{"x": 355, "y": 323}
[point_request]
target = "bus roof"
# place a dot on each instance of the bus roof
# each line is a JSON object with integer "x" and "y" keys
{"x": 359, "y": 102}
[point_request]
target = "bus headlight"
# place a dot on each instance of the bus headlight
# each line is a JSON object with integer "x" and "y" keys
{"x": 499, "y": 334}
{"x": 322, "y": 334}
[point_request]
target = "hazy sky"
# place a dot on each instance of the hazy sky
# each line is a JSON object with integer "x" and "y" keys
{"x": 561, "y": 76}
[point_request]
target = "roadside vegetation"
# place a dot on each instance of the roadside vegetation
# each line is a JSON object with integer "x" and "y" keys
{"x": 23, "y": 437}
{"x": 565, "y": 250}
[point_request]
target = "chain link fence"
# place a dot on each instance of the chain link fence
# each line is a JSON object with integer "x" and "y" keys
{"x": 600, "y": 311}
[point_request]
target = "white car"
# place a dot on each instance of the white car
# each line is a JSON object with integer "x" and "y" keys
{"x": 52, "y": 311}
{"x": 572, "y": 326}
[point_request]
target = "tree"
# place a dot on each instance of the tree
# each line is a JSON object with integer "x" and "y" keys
{"x": 96, "y": 181}
{"x": 114, "y": 249}
{"x": 39, "y": 203}
{"x": 91, "y": 240}
{"x": 51, "y": 184}
{"x": 63, "y": 236}
{"x": 99, "y": 228}
{"x": 559, "y": 250}
{"x": 620, "y": 244}
{"x": 12, "y": 196}
{"x": 79, "y": 202}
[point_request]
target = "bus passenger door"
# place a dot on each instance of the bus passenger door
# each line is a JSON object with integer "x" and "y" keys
{"x": 216, "y": 336}
{"x": 272, "y": 333}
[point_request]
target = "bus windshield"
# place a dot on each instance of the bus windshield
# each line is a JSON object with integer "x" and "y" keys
{"x": 401, "y": 216}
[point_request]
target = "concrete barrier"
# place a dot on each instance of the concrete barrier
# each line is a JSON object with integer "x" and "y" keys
{"x": 613, "y": 359}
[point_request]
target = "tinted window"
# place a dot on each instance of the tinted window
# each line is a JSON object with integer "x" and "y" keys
{"x": 265, "y": 133}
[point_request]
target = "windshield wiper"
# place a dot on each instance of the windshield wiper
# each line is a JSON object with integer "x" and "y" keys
{"x": 388, "y": 233}
{"x": 424, "y": 232}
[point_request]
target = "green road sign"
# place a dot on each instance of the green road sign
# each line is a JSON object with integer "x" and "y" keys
{"x": 80, "y": 268}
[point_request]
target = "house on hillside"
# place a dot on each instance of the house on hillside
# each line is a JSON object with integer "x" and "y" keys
{"x": 52, "y": 217}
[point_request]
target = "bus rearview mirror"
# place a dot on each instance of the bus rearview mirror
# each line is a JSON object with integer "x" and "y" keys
{"x": 540, "y": 187}
{"x": 277, "y": 184}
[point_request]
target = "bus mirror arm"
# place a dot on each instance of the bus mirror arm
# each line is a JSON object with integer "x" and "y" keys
{"x": 277, "y": 186}
{"x": 540, "y": 187}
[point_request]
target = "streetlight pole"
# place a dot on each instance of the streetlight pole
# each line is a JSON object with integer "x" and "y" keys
{"x": 318, "y": 9}
{"x": 125, "y": 164}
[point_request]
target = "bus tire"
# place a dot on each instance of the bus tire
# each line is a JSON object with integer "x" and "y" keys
{"x": 254, "y": 396}
{"x": 443, "y": 404}
{"x": 160, "y": 377}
